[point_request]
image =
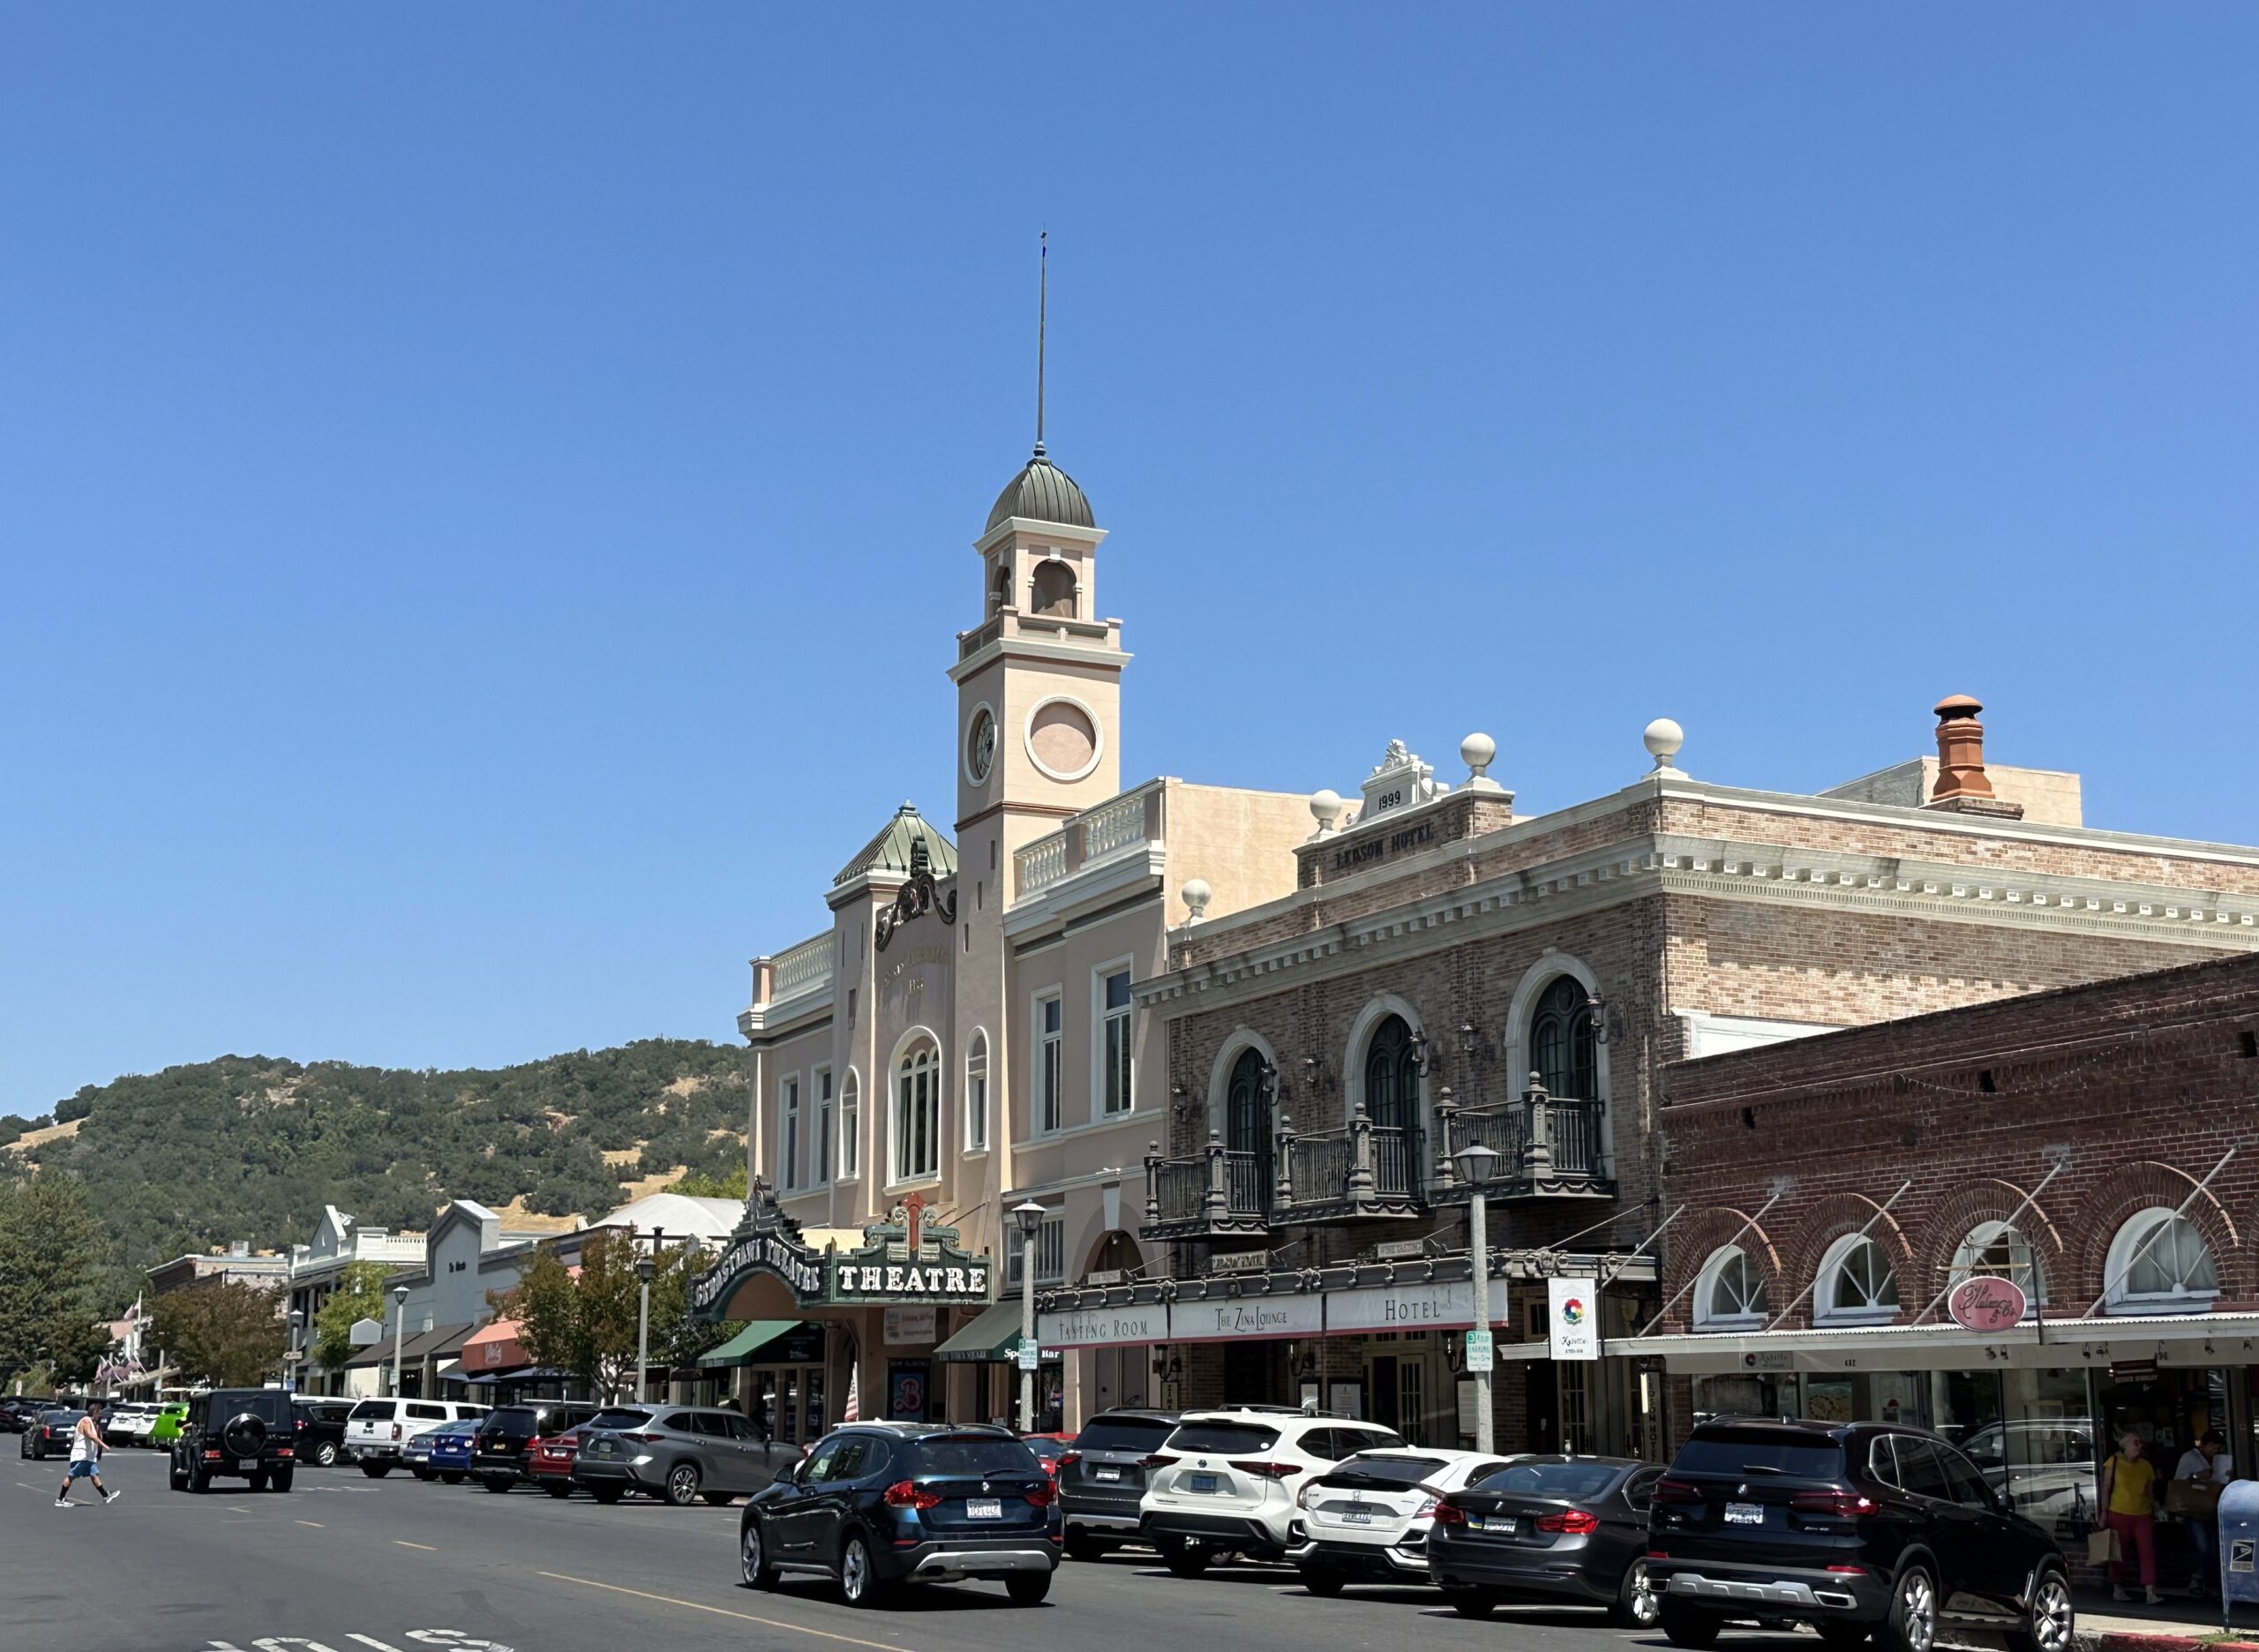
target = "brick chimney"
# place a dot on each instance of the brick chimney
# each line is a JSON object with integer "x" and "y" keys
{"x": 1961, "y": 783}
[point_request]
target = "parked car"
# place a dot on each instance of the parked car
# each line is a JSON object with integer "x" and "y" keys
{"x": 166, "y": 1427}
{"x": 377, "y": 1431}
{"x": 126, "y": 1421}
{"x": 1564, "y": 1527}
{"x": 877, "y": 1504}
{"x": 450, "y": 1447}
{"x": 549, "y": 1457}
{"x": 498, "y": 1456}
{"x": 16, "y": 1412}
{"x": 321, "y": 1429}
{"x": 1102, "y": 1477}
{"x": 49, "y": 1435}
{"x": 681, "y": 1453}
{"x": 238, "y": 1433}
{"x": 1857, "y": 1528}
{"x": 1366, "y": 1519}
{"x": 1223, "y": 1481}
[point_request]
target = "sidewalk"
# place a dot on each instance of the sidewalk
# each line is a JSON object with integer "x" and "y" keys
{"x": 2175, "y": 1624}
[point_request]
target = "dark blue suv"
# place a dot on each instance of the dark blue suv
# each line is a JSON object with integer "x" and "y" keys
{"x": 877, "y": 1504}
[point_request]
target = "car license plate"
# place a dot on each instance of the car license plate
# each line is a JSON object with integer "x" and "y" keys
{"x": 1744, "y": 1514}
{"x": 1200, "y": 1482}
{"x": 1106, "y": 1474}
{"x": 1357, "y": 1514}
{"x": 246, "y": 1464}
{"x": 984, "y": 1509}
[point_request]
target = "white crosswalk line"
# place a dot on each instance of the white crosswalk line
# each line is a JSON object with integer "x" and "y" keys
{"x": 371, "y": 1640}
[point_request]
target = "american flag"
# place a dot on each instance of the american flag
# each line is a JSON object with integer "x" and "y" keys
{"x": 853, "y": 1412}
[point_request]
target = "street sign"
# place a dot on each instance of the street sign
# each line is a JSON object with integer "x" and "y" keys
{"x": 1478, "y": 1351}
{"x": 1029, "y": 1356}
{"x": 1573, "y": 1323}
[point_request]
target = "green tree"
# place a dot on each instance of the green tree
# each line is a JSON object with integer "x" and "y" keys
{"x": 51, "y": 1253}
{"x": 730, "y": 1184}
{"x": 229, "y": 1334}
{"x": 360, "y": 1294}
{"x": 587, "y": 1324}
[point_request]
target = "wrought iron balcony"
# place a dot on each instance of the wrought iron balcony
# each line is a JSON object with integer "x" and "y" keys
{"x": 1361, "y": 1169}
{"x": 1216, "y": 1193}
{"x": 1549, "y": 1146}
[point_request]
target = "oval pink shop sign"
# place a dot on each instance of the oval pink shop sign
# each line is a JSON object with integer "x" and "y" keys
{"x": 1986, "y": 1304}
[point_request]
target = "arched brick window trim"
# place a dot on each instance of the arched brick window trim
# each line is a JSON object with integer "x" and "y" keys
{"x": 1824, "y": 1222}
{"x": 1962, "y": 1212}
{"x": 1704, "y": 1231}
{"x": 2140, "y": 1187}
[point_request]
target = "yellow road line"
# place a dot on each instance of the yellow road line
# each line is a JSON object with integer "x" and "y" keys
{"x": 404, "y": 1544}
{"x": 723, "y": 1612}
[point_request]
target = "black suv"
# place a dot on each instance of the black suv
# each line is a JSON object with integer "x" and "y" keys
{"x": 1102, "y": 1477}
{"x": 876, "y": 1505}
{"x": 1857, "y": 1528}
{"x": 242, "y": 1433}
{"x": 497, "y": 1450}
{"x": 321, "y": 1431}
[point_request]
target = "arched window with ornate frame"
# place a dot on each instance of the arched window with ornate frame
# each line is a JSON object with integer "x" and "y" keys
{"x": 916, "y": 1124}
{"x": 1564, "y": 1045}
{"x": 1857, "y": 1284}
{"x": 1996, "y": 1251}
{"x": 2159, "y": 1262}
{"x": 1730, "y": 1292}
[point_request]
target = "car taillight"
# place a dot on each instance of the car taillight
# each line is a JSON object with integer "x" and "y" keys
{"x": 902, "y": 1494}
{"x": 286, "y": 1450}
{"x": 644, "y": 1439}
{"x": 1043, "y": 1496}
{"x": 1427, "y": 1508}
{"x": 300, "y": 1426}
{"x": 1068, "y": 1459}
{"x": 1157, "y": 1459}
{"x": 211, "y": 1456}
{"x": 1576, "y": 1522}
{"x": 1845, "y": 1505}
{"x": 1450, "y": 1514}
{"x": 1679, "y": 1491}
{"x": 1268, "y": 1470}
{"x": 395, "y": 1430}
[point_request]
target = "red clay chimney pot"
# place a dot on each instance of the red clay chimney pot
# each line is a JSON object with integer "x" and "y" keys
{"x": 1960, "y": 751}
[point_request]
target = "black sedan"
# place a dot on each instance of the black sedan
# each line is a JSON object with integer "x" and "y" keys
{"x": 1572, "y": 1529}
{"x": 49, "y": 1434}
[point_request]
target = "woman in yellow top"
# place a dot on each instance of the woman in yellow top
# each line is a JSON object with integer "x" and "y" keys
{"x": 2130, "y": 1493}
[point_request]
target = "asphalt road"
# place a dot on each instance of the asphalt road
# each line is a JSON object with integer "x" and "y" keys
{"x": 347, "y": 1564}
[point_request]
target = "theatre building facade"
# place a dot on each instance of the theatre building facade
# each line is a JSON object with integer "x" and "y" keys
{"x": 2026, "y": 1224}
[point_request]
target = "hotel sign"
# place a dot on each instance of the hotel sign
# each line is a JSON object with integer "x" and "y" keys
{"x": 905, "y": 1260}
{"x": 1412, "y": 1308}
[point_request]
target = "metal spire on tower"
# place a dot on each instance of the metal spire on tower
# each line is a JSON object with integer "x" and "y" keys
{"x": 1042, "y": 314}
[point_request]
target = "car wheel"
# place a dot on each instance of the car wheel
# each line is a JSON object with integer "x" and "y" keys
{"x": 753, "y": 1555}
{"x": 1082, "y": 1546}
{"x": 1028, "y": 1588}
{"x": 1183, "y": 1560}
{"x": 1636, "y": 1606}
{"x": 562, "y": 1488}
{"x": 858, "y": 1581}
{"x": 177, "y": 1475}
{"x": 2048, "y": 1621}
{"x": 1684, "y": 1625}
{"x": 1842, "y": 1632}
{"x": 1323, "y": 1580}
{"x": 1913, "y": 1625}
{"x": 606, "y": 1495}
{"x": 281, "y": 1479}
{"x": 325, "y": 1454}
{"x": 199, "y": 1482}
{"x": 1472, "y": 1603}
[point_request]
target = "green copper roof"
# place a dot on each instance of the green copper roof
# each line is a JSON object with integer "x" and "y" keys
{"x": 1043, "y": 492}
{"x": 896, "y": 848}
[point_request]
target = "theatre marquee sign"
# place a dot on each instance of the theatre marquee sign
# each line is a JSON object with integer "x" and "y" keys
{"x": 903, "y": 1260}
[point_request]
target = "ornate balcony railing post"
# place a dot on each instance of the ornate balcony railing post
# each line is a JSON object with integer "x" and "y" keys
{"x": 1153, "y": 1183}
{"x": 1220, "y": 1198}
{"x": 1446, "y": 1125}
{"x": 1361, "y": 1155}
{"x": 1282, "y": 1194}
{"x": 1537, "y": 1134}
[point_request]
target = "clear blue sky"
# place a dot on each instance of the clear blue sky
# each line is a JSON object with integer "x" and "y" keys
{"x": 485, "y": 492}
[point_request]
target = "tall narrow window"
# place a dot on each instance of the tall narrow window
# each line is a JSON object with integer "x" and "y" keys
{"x": 916, "y": 1114}
{"x": 1050, "y": 1044}
{"x": 819, "y": 1160}
{"x": 976, "y": 1093}
{"x": 851, "y": 1127}
{"x": 1562, "y": 1047}
{"x": 1392, "y": 1081}
{"x": 788, "y": 1149}
{"x": 1113, "y": 1091}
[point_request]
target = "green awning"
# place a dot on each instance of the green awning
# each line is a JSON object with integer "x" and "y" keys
{"x": 994, "y": 1336}
{"x": 749, "y": 1345}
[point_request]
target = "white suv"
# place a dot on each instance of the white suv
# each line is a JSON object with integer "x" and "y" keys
{"x": 1224, "y": 1481}
{"x": 1366, "y": 1519}
{"x": 377, "y": 1430}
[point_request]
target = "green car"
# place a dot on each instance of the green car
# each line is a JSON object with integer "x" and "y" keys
{"x": 166, "y": 1429}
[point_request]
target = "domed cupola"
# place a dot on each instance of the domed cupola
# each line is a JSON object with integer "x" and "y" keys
{"x": 1042, "y": 493}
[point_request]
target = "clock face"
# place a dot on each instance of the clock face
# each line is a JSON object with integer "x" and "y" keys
{"x": 981, "y": 746}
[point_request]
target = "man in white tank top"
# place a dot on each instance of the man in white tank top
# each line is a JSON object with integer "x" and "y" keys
{"x": 86, "y": 1456}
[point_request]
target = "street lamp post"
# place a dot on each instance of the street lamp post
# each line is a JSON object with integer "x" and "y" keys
{"x": 399, "y": 1332}
{"x": 290, "y": 1358}
{"x": 1029, "y": 1216}
{"x": 644, "y": 1268}
{"x": 1473, "y": 1161}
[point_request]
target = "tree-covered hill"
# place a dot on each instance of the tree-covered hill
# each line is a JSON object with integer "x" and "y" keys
{"x": 252, "y": 1146}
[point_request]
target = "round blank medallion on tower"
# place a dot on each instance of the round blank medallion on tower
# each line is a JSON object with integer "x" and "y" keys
{"x": 1063, "y": 739}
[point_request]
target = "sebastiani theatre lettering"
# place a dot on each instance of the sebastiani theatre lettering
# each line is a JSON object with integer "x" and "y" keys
{"x": 904, "y": 1259}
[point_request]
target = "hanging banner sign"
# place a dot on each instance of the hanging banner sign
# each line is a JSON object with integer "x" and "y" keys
{"x": 1572, "y": 1319}
{"x": 1104, "y": 1327}
{"x": 1986, "y": 1305}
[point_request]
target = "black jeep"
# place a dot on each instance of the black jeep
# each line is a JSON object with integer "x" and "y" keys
{"x": 241, "y": 1433}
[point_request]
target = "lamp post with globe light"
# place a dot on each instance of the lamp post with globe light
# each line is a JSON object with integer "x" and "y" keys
{"x": 1030, "y": 1218}
{"x": 399, "y": 1332}
{"x": 1473, "y": 1162}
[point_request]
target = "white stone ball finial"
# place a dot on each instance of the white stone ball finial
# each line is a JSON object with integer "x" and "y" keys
{"x": 1662, "y": 739}
{"x": 1478, "y": 751}
{"x": 1195, "y": 895}
{"x": 1325, "y": 809}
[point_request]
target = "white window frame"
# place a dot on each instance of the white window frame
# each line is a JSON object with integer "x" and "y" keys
{"x": 2131, "y": 1234}
{"x": 979, "y": 1085}
{"x": 920, "y": 1058}
{"x": 1838, "y": 1257}
{"x": 1046, "y": 1099}
{"x": 1103, "y": 1022}
{"x": 788, "y": 1132}
{"x": 823, "y": 1143}
{"x": 851, "y": 1127}
{"x": 2024, "y": 1265}
{"x": 1707, "y": 1280}
{"x": 1050, "y": 1252}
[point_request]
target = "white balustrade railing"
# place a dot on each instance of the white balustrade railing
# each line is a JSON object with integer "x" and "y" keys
{"x": 803, "y": 967}
{"x": 1042, "y": 864}
{"x": 1114, "y": 825}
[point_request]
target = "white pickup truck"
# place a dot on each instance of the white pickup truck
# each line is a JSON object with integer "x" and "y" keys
{"x": 378, "y": 1430}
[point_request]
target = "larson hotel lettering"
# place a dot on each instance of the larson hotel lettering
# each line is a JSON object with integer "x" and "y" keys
{"x": 1380, "y": 844}
{"x": 903, "y": 1260}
